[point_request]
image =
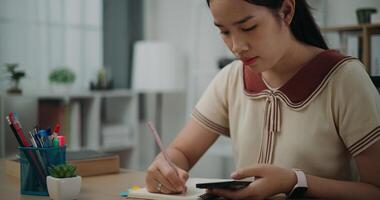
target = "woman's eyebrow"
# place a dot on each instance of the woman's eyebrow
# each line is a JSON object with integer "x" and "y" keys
{"x": 237, "y": 22}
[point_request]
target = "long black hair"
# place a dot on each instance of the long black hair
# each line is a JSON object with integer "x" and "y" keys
{"x": 303, "y": 25}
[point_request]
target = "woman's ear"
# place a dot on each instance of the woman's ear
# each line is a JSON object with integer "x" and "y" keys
{"x": 287, "y": 11}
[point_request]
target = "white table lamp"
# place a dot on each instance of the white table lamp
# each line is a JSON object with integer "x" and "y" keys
{"x": 158, "y": 68}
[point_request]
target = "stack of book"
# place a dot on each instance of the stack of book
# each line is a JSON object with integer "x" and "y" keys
{"x": 88, "y": 163}
{"x": 91, "y": 163}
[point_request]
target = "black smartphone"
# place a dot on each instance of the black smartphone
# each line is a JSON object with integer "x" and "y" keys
{"x": 227, "y": 185}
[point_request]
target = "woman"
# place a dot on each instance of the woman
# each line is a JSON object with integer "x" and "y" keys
{"x": 288, "y": 103}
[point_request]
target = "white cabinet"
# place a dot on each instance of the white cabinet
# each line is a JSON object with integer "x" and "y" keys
{"x": 105, "y": 121}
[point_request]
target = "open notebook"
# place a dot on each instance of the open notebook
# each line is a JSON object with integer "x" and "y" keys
{"x": 192, "y": 193}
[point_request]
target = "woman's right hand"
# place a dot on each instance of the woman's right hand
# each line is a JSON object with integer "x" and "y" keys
{"x": 162, "y": 178}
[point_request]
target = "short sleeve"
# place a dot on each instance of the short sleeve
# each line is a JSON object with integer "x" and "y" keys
{"x": 211, "y": 111}
{"x": 357, "y": 107}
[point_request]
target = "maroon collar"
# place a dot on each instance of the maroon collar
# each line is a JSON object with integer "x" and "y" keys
{"x": 301, "y": 85}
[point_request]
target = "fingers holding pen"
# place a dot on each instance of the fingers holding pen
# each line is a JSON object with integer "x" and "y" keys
{"x": 163, "y": 169}
{"x": 176, "y": 177}
{"x": 171, "y": 181}
{"x": 167, "y": 182}
{"x": 155, "y": 179}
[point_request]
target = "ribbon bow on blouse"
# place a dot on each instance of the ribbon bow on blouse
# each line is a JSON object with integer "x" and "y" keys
{"x": 272, "y": 124}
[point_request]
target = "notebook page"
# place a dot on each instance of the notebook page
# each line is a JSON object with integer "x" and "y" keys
{"x": 192, "y": 193}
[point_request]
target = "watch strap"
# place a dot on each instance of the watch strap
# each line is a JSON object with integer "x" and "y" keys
{"x": 301, "y": 186}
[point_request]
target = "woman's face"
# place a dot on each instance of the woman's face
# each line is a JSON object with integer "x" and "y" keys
{"x": 253, "y": 33}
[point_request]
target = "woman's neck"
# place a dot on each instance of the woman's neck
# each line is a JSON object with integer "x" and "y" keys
{"x": 295, "y": 58}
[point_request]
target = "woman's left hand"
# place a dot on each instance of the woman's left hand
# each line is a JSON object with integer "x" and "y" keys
{"x": 269, "y": 180}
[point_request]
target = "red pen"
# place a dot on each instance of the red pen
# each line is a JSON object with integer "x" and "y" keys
{"x": 17, "y": 126}
{"x": 56, "y": 130}
{"x": 30, "y": 156}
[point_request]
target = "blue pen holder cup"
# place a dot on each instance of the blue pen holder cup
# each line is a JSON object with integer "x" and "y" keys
{"x": 34, "y": 165}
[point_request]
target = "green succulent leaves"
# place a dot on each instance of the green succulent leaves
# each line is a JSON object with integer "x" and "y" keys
{"x": 63, "y": 171}
{"x": 62, "y": 75}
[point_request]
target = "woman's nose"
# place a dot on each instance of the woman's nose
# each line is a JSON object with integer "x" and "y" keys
{"x": 239, "y": 47}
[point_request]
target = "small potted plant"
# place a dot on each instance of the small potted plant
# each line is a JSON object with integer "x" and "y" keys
{"x": 103, "y": 82}
{"x": 61, "y": 79}
{"x": 63, "y": 182}
{"x": 364, "y": 15}
{"x": 16, "y": 76}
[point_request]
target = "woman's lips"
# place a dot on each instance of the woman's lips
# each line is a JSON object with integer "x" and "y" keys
{"x": 249, "y": 61}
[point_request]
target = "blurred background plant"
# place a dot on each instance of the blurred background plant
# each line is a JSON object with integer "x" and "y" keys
{"x": 103, "y": 80}
{"x": 15, "y": 76}
{"x": 62, "y": 75}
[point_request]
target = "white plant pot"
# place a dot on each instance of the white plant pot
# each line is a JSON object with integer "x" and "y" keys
{"x": 64, "y": 188}
{"x": 60, "y": 88}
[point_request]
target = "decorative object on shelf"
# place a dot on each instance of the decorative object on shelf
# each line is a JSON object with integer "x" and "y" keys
{"x": 16, "y": 76}
{"x": 62, "y": 79}
{"x": 158, "y": 67}
{"x": 364, "y": 15}
{"x": 63, "y": 182}
{"x": 103, "y": 80}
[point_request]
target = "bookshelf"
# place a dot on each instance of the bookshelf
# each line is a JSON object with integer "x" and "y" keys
{"x": 105, "y": 121}
{"x": 364, "y": 32}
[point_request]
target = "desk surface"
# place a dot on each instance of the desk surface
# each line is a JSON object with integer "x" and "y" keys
{"x": 95, "y": 187}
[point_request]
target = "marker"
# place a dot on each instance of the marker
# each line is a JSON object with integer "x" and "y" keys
{"x": 56, "y": 130}
{"x": 34, "y": 143}
{"x": 55, "y": 142}
{"x": 61, "y": 140}
{"x": 37, "y": 138}
{"x": 44, "y": 138}
{"x": 53, "y": 136}
{"x": 48, "y": 131}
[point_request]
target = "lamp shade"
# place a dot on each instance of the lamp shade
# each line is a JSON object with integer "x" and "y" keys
{"x": 157, "y": 67}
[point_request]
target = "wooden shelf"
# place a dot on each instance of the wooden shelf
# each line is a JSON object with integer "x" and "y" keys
{"x": 351, "y": 28}
{"x": 364, "y": 31}
{"x": 49, "y": 94}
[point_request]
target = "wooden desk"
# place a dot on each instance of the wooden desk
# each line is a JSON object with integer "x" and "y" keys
{"x": 95, "y": 187}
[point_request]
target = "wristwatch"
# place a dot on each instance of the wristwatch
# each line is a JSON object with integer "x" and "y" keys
{"x": 300, "y": 188}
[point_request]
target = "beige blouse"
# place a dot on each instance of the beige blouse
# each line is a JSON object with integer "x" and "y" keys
{"x": 328, "y": 113}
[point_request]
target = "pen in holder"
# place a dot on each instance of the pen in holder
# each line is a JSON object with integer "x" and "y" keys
{"x": 35, "y": 163}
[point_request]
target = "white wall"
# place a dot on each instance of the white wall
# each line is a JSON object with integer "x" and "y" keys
{"x": 187, "y": 25}
{"x": 41, "y": 35}
{"x": 343, "y": 12}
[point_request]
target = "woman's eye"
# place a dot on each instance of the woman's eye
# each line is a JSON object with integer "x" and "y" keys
{"x": 250, "y": 28}
{"x": 224, "y": 32}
